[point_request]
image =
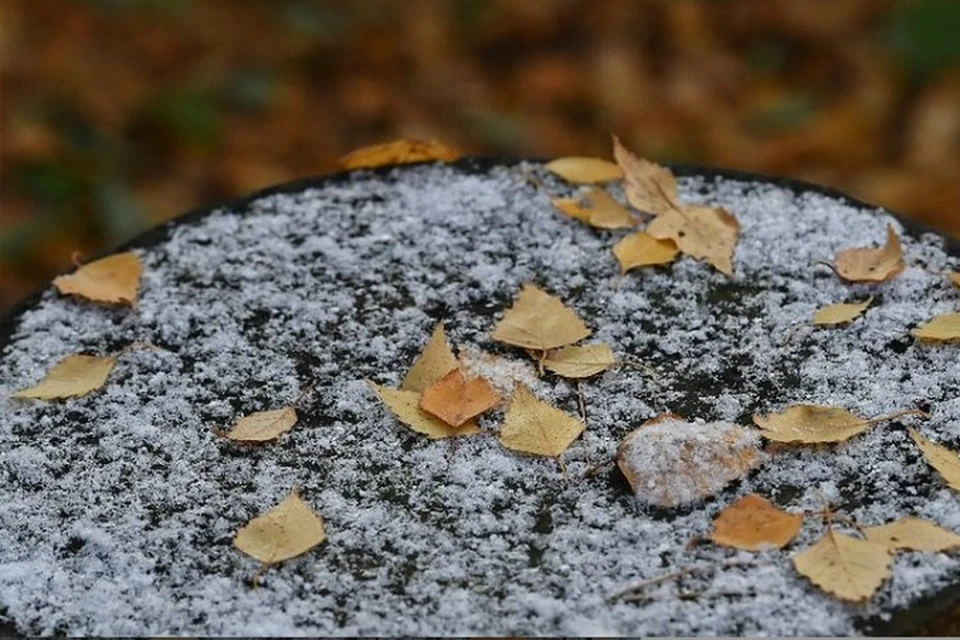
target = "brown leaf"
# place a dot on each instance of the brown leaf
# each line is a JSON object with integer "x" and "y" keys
{"x": 955, "y": 278}
{"x": 533, "y": 426}
{"x": 111, "y": 280}
{"x": 849, "y": 568}
{"x": 940, "y": 458}
{"x": 841, "y": 312}
{"x": 397, "y": 152}
{"x": 75, "y": 375}
{"x": 540, "y": 321}
{"x": 405, "y": 407}
{"x": 914, "y": 534}
{"x": 264, "y": 426}
{"x": 705, "y": 233}
{"x": 454, "y": 399}
{"x": 867, "y": 264}
{"x": 584, "y": 170}
{"x": 435, "y": 361}
{"x": 753, "y": 523}
{"x": 648, "y": 186}
{"x": 288, "y": 530}
{"x": 943, "y": 328}
{"x": 580, "y": 362}
{"x": 810, "y": 423}
{"x": 603, "y": 212}
{"x": 643, "y": 250}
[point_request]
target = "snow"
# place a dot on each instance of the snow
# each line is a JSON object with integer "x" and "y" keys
{"x": 119, "y": 508}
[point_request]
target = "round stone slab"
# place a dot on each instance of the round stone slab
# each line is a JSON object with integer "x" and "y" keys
{"x": 120, "y": 507}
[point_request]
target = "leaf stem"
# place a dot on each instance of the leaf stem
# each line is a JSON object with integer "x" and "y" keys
{"x": 630, "y": 593}
{"x": 899, "y": 414}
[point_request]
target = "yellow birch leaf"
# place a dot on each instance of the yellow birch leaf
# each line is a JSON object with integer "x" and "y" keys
{"x": 643, "y": 250}
{"x": 533, "y": 426}
{"x": 540, "y": 321}
{"x": 955, "y": 278}
{"x": 455, "y": 400}
{"x": 580, "y": 362}
{"x": 940, "y": 458}
{"x": 75, "y": 375}
{"x": 752, "y": 523}
{"x": 603, "y": 212}
{"x": 111, "y": 280}
{"x": 264, "y": 426}
{"x": 810, "y": 423}
{"x": 648, "y": 186}
{"x": 583, "y": 170}
{"x": 397, "y": 152}
{"x": 435, "y": 361}
{"x": 943, "y": 328}
{"x": 868, "y": 264}
{"x": 572, "y": 207}
{"x": 288, "y": 530}
{"x": 849, "y": 568}
{"x": 705, "y": 233}
{"x": 841, "y": 312}
{"x": 914, "y": 534}
{"x": 405, "y": 407}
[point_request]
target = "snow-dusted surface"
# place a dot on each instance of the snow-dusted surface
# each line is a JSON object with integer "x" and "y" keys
{"x": 117, "y": 510}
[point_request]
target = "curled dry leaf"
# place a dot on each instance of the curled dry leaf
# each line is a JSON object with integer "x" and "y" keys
{"x": 580, "y": 362}
{"x": 455, "y": 400}
{"x": 643, "y": 250}
{"x": 648, "y": 186}
{"x": 940, "y": 458}
{"x": 849, "y": 568}
{"x": 943, "y": 328}
{"x": 75, "y": 375}
{"x": 533, "y": 426}
{"x": 288, "y": 530}
{"x": 435, "y": 361}
{"x": 810, "y": 423}
{"x": 583, "y": 170}
{"x": 705, "y": 233}
{"x": 840, "y": 313}
{"x": 264, "y": 426}
{"x": 539, "y": 321}
{"x": 914, "y": 534}
{"x": 405, "y": 407}
{"x": 397, "y": 152}
{"x": 111, "y": 280}
{"x": 868, "y": 264}
{"x": 603, "y": 212}
{"x": 752, "y": 523}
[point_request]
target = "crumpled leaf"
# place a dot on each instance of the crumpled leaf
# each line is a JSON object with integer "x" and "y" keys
{"x": 841, "y": 312}
{"x": 643, "y": 250}
{"x": 540, "y": 321}
{"x": 868, "y": 264}
{"x": 405, "y": 407}
{"x": 914, "y": 534}
{"x": 943, "y": 328}
{"x": 263, "y": 426}
{"x": 705, "y": 233}
{"x": 752, "y": 523}
{"x": 603, "y": 212}
{"x": 435, "y": 361}
{"x": 75, "y": 375}
{"x": 286, "y": 531}
{"x": 397, "y": 152}
{"x": 455, "y": 400}
{"x": 111, "y": 280}
{"x": 533, "y": 426}
{"x": 940, "y": 458}
{"x": 582, "y": 170}
{"x": 648, "y": 186}
{"x": 810, "y": 423}
{"x": 580, "y": 362}
{"x": 849, "y": 568}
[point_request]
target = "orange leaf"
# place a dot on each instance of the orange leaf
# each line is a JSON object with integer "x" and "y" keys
{"x": 455, "y": 400}
{"x": 111, "y": 280}
{"x": 753, "y": 523}
{"x": 868, "y": 264}
{"x": 397, "y": 152}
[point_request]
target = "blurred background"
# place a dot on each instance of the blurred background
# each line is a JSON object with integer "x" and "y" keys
{"x": 119, "y": 114}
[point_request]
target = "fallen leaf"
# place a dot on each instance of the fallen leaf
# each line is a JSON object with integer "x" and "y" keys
{"x": 538, "y": 320}
{"x": 940, "y": 458}
{"x": 753, "y": 523}
{"x": 405, "y": 407}
{"x": 943, "y": 328}
{"x": 111, "y": 280}
{"x": 955, "y": 278}
{"x": 648, "y": 186}
{"x": 705, "y": 233}
{"x": 848, "y": 568}
{"x": 580, "y": 362}
{"x": 533, "y": 426}
{"x": 643, "y": 250}
{"x": 454, "y": 399}
{"x": 914, "y": 534}
{"x": 435, "y": 361}
{"x": 841, "y": 312}
{"x": 397, "y": 152}
{"x": 264, "y": 426}
{"x": 75, "y": 375}
{"x": 288, "y": 530}
{"x": 603, "y": 212}
{"x": 810, "y": 423}
{"x": 868, "y": 264}
{"x": 582, "y": 170}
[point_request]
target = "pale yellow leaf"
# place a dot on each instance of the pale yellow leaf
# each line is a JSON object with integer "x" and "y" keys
{"x": 603, "y": 212}
{"x": 943, "y": 328}
{"x": 405, "y": 407}
{"x": 940, "y": 458}
{"x": 809, "y": 423}
{"x": 648, "y": 186}
{"x": 397, "y": 152}
{"x": 705, "y": 233}
{"x": 288, "y": 530}
{"x": 533, "y": 426}
{"x": 75, "y": 375}
{"x": 849, "y": 568}
{"x": 264, "y": 426}
{"x": 643, "y": 250}
{"x": 580, "y": 362}
{"x": 111, "y": 280}
{"x": 573, "y": 208}
{"x": 841, "y": 312}
{"x": 435, "y": 361}
{"x": 914, "y": 534}
{"x": 540, "y": 321}
{"x": 868, "y": 264}
{"x": 753, "y": 523}
{"x": 583, "y": 170}
{"x": 455, "y": 400}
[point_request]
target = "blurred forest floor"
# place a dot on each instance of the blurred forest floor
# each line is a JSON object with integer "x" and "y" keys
{"x": 118, "y": 114}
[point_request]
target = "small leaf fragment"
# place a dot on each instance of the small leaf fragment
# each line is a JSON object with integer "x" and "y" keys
{"x": 943, "y": 328}
{"x": 648, "y": 186}
{"x": 940, "y": 458}
{"x": 604, "y": 212}
{"x": 533, "y": 426}
{"x": 914, "y": 534}
{"x": 455, "y": 400}
{"x": 705, "y": 233}
{"x": 809, "y": 423}
{"x": 869, "y": 264}
{"x": 538, "y": 320}
{"x": 841, "y": 312}
{"x": 286, "y": 531}
{"x": 435, "y": 361}
{"x": 397, "y": 152}
{"x": 580, "y": 362}
{"x": 849, "y": 568}
{"x": 643, "y": 250}
{"x": 405, "y": 407}
{"x": 582, "y": 170}
{"x": 752, "y": 523}
{"x": 75, "y": 375}
{"x": 264, "y": 426}
{"x": 955, "y": 278}
{"x": 111, "y": 280}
